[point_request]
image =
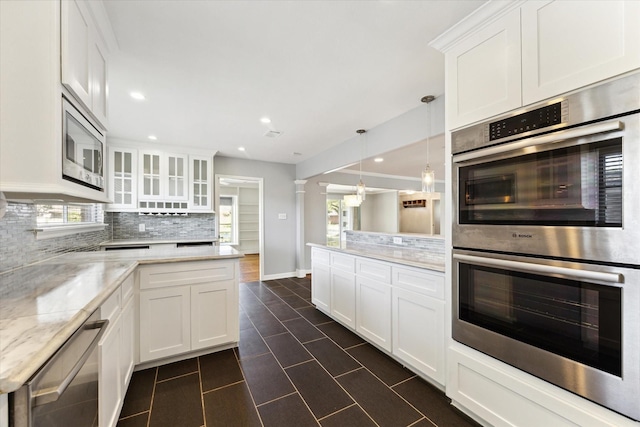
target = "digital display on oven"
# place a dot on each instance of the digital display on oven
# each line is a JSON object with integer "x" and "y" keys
{"x": 526, "y": 122}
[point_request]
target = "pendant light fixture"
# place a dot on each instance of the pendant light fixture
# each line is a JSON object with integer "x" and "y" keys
{"x": 428, "y": 174}
{"x": 361, "y": 189}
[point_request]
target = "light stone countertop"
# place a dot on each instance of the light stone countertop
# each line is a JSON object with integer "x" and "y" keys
{"x": 42, "y": 304}
{"x": 413, "y": 257}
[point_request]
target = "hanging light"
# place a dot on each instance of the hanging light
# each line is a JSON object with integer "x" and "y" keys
{"x": 361, "y": 189}
{"x": 428, "y": 174}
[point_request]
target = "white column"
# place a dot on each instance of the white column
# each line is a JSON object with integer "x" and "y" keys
{"x": 300, "y": 244}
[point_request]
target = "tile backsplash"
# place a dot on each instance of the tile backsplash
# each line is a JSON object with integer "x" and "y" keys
{"x": 433, "y": 244}
{"x": 18, "y": 244}
{"x": 126, "y": 225}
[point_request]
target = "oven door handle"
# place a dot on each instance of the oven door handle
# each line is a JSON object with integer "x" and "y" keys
{"x": 541, "y": 140}
{"x": 51, "y": 394}
{"x": 569, "y": 273}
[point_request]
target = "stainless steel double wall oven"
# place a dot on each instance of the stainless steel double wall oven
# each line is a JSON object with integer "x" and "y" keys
{"x": 546, "y": 240}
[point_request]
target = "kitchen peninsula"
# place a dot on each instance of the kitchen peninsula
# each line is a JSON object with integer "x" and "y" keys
{"x": 389, "y": 289}
{"x": 44, "y": 303}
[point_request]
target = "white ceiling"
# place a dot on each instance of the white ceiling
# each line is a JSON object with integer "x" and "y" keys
{"x": 319, "y": 69}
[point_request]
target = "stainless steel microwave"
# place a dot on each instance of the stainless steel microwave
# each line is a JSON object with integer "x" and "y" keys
{"x": 82, "y": 149}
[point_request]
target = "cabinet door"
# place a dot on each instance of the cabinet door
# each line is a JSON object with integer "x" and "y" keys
{"x": 321, "y": 286}
{"x": 122, "y": 178}
{"x": 484, "y": 72}
{"x": 126, "y": 344}
{"x": 164, "y": 322}
{"x": 418, "y": 332}
{"x": 98, "y": 76}
{"x": 343, "y": 297}
{"x": 201, "y": 187}
{"x": 76, "y": 35}
{"x": 567, "y": 45}
{"x": 176, "y": 178}
{"x": 214, "y": 316}
{"x": 150, "y": 175}
{"x": 373, "y": 311}
{"x": 110, "y": 391}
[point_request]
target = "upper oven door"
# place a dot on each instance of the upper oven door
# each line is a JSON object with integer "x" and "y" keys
{"x": 570, "y": 194}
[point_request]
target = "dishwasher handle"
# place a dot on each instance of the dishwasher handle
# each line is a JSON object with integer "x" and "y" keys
{"x": 51, "y": 394}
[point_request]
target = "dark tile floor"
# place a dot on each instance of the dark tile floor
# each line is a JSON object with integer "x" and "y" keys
{"x": 294, "y": 367}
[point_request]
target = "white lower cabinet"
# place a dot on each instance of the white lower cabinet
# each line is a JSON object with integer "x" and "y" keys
{"x": 214, "y": 319}
{"x": 187, "y": 306}
{"x": 164, "y": 322}
{"x": 373, "y": 311}
{"x": 115, "y": 353}
{"x": 398, "y": 308}
{"x": 321, "y": 286}
{"x": 343, "y": 297}
{"x": 418, "y": 332}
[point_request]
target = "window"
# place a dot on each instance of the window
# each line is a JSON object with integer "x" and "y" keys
{"x": 228, "y": 211}
{"x": 59, "y": 220}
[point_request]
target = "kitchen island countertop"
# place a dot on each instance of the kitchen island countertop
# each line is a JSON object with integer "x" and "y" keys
{"x": 42, "y": 304}
{"x": 413, "y": 257}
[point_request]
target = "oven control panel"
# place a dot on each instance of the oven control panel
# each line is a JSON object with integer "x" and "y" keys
{"x": 543, "y": 117}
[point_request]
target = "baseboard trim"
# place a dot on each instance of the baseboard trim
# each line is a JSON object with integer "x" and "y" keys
{"x": 279, "y": 276}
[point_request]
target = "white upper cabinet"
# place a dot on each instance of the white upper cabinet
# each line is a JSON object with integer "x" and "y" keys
{"x": 33, "y": 37}
{"x": 509, "y": 54}
{"x": 568, "y": 45}
{"x": 122, "y": 170}
{"x": 200, "y": 180}
{"x": 143, "y": 178}
{"x": 84, "y": 59}
{"x": 483, "y": 72}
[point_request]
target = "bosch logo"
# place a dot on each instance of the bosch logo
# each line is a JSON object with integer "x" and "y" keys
{"x": 522, "y": 236}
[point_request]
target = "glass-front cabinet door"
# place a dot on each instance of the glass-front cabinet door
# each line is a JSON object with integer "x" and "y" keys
{"x": 201, "y": 183}
{"x": 176, "y": 177}
{"x": 122, "y": 170}
{"x": 150, "y": 175}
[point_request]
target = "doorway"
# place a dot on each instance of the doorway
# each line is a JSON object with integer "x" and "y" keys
{"x": 239, "y": 220}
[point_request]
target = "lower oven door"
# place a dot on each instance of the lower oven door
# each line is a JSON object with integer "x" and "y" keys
{"x": 64, "y": 392}
{"x": 575, "y": 325}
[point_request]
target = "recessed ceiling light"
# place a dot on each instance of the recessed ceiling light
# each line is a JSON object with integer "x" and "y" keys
{"x": 378, "y": 159}
{"x": 152, "y": 137}
{"x": 265, "y": 120}
{"x": 241, "y": 148}
{"x": 137, "y": 95}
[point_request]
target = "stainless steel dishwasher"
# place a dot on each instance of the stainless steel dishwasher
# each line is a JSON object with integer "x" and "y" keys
{"x": 64, "y": 392}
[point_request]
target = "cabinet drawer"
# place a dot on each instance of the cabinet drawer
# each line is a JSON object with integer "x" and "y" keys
{"x": 320, "y": 256}
{"x": 185, "y": 273}
{"x": 420, "y": 281}
{"x": 127, "y": 288}
{"x": 343, "y": 262}
{"x": 111, "y": 307}
{"x": 374, "y": 270}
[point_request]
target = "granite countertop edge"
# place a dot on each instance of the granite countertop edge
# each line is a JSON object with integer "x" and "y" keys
{"x": 360, "y": 250}
{"x": 19, "y": 373}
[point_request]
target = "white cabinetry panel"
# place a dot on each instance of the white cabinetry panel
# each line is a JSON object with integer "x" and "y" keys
{"x": 483, "y": 72}
{"x": 321, "y": 286}
{"x": 373, "y": 311}
{"x": 76, "y": 38}
{"x": 568, "y": 45}
{"x": 343, "y": 297}
{"x": 213, "y": 319}
{"x": 109, "y": 382}
{"x": 418, "y": 332}
{"x": 164, "y": 322}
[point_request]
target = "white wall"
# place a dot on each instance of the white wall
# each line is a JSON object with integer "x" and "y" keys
{"x": 379, "y": 212}
{"x": 279, "y": 192}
